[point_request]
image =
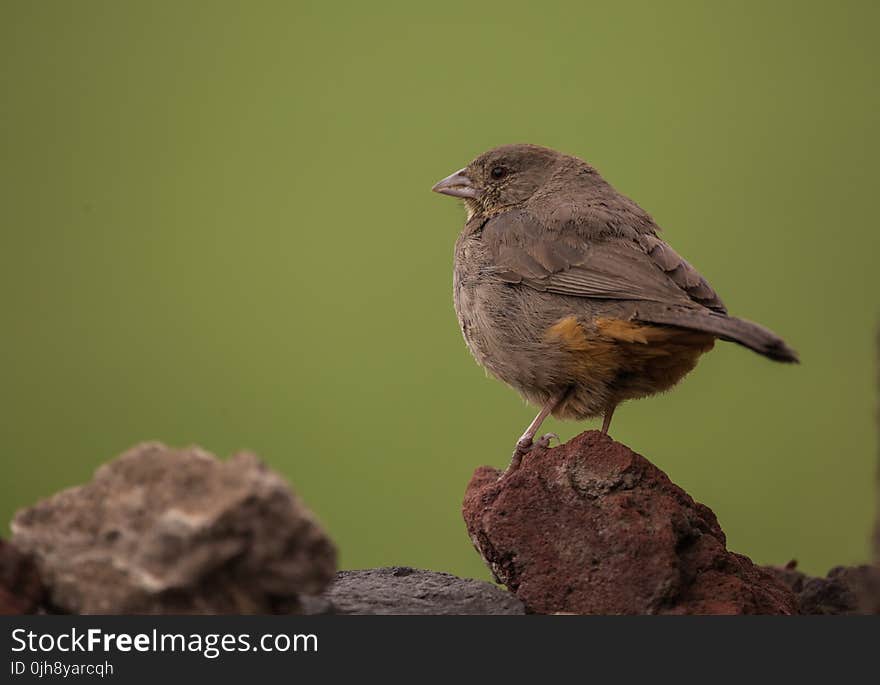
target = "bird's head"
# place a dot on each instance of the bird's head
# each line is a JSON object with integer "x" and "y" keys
{"x": 501, "y": 178}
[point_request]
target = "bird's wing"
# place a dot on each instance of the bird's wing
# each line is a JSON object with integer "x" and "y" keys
{"x": 561, "y": 261}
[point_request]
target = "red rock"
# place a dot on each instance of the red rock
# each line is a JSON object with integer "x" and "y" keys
{"x": 591, "y": 527}
{"x": 21, "y": 591}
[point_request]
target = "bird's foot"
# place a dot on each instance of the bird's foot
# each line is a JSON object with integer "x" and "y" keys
{"x": 544, "y": 441}
{"x": 525, "y": 445}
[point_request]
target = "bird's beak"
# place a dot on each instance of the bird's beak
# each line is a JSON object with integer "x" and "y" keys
{"x": 457, "y": 185}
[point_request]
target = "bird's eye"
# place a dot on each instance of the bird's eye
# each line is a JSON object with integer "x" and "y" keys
{"x": 498, "y": 172}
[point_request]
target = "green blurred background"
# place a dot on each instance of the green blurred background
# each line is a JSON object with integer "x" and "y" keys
{"x": 217, "y": 228}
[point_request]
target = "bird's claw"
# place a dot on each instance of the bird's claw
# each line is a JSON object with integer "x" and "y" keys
{"x": 525, "y": 445}
{"x": 544, "y": 441}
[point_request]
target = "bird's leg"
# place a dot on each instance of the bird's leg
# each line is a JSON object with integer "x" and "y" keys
{"x": 525, "y": 443}
{"x": 606, "y": 422}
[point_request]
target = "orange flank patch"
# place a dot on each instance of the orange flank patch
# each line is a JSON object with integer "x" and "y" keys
{"x": 593, "y": 356}
{"x": 624, "y": 331}
{"x": 667, "y": 338}
{"x": 653, "y": 358}
{"x": 574, "y": 337}
{"x": 569, "y": 332}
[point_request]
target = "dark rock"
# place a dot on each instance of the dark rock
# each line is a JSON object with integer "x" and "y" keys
{"x": 845, "y": 590}
{"x": 789, "y": 575}
{"x": 402, "y": 590}
{"x": 591, "y": 527}
{"x": 161, "y": 530}
{"x": 21, "y": 590}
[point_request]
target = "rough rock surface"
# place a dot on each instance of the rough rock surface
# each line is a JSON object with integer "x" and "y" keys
{"x": 591, "y": 527}
{"x": 846, "y": 590}
{"x": 402, "y": 590}
{"x": 161, "y": 530}
{"x": 21, "y": 590}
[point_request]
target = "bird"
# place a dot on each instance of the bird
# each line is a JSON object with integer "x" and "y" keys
{"x": 565, "y": 291}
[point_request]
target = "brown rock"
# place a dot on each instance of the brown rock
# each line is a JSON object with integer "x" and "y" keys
{"x": 161, "y": 530}
{"x": 591, "y": 527}
{"x": 21, "y": 590}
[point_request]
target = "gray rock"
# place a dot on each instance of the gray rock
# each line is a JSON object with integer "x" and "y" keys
{"x": 401, "y": 590}
{"x": 161, "y": 530}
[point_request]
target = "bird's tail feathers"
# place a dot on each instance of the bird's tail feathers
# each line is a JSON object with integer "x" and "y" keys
{"x": 743, "y": 332}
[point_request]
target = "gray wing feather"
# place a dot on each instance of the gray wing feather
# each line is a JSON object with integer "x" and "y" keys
{"x": 565, "y": 263}
{"x": 681, "y": 272}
